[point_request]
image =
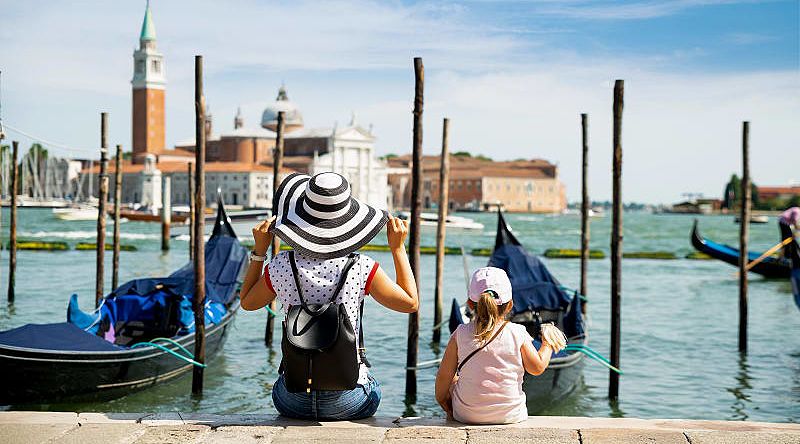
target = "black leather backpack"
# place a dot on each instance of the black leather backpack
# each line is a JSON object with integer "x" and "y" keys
{"x": 319, "y": 344}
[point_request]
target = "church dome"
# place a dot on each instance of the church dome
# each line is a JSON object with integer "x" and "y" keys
{"x": 293, "y": 119}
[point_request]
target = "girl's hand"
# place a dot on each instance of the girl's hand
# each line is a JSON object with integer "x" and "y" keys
{"x": 262, "y": 236}
{"x": 396, "y": 232}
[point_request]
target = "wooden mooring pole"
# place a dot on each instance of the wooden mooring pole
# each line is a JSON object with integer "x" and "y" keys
{"x": 102, "y": 197}
{"x": 744, "y": 228}
{"x": 277, "y": 164}
{"x": 190, "y": 184}
{"x": 414, "y": 230}
{"x": 616, "y": 240}
{"x": 444, "y": 191}
{"x": 166, "y": 211}
{"x": 12, "y": 234}
{"x": 199, "y": 228}
{"x": 584, "y": 208}
{"x": 117, "y": 206}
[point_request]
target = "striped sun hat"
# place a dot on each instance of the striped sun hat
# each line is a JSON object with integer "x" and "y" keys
{"x": 318, "y": 217}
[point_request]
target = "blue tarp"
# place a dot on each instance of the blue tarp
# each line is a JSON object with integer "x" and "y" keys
{"x": 534, "y": 288}
{"x": 62, "y": 336}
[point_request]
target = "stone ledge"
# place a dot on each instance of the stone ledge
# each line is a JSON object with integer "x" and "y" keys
{"x": 107, "y": 428}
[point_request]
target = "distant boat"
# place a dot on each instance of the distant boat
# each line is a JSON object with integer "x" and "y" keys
{"x": 76, "y": 213}
{"x": 432, "y": 220}
{"x": 771, "y": 267}
{"x": 242, "y": 222}
{"x": 577, "y": 212}
{"x": 756, "y": 219}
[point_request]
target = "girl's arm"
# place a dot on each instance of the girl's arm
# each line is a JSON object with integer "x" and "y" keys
{"x": 401, "y": 295}
{"x": 535, "y": 362}
{"x": 255, "y": 293}
{"x": 445, "y": 376}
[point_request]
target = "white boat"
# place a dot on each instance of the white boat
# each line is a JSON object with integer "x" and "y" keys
{"x": 755, "y": 219}
{"x": 75, "y": 213}
{"x": 242, "y": 222}
{"x": 432, "y": 220}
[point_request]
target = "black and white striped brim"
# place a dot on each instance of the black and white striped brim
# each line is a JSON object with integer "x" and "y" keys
{"x": 318, "y": 217}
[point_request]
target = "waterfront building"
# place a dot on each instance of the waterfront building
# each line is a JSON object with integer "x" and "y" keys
{"x": 478, "y": 184}
{"x": 238, "y": 162}
{"x": 778, "y": 192}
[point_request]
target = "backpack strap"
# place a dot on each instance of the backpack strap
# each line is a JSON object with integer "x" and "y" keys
{"x": 362, "y": 350}
{"x": 497, "y": 333}
{"x": 351, "y": 260}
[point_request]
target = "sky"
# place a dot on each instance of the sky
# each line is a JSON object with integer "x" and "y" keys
{"x": 513, "y": 77}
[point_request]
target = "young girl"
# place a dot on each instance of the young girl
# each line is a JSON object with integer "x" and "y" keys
{"x": 480, "y": 377}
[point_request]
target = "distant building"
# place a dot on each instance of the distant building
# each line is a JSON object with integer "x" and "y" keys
{"x": 149, "y": 84}
{"x": 784, "y": 192}
{"x": 238, "y": 162}
{"x": 476, "y": 184}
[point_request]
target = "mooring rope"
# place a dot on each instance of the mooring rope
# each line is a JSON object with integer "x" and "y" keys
{"x": 189, "y": 360}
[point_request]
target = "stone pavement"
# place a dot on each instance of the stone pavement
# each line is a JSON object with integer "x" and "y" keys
{"x": 112, "y": 428}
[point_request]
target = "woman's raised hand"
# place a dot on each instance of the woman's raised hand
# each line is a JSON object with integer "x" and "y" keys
{"x": 396, "y": 232}
{"x": 262, "y": 236}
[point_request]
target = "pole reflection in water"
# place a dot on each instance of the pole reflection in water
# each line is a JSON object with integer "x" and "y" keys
{"x": 741, "y": 391}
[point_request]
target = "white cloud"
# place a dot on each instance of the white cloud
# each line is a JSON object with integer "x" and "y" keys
{"x": 627, "y": 10}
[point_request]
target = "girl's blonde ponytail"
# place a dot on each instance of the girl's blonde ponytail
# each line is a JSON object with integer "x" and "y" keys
{"x": 487, "y": 316}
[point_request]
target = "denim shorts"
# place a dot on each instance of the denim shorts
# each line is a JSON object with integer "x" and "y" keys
{"x": 358, "y": 403}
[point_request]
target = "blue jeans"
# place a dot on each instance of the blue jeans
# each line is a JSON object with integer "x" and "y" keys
{"x": 358, "y": 403}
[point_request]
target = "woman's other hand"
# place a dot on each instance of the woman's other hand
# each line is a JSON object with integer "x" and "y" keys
{"x": 262, "y": 236}
{"x": 396, "y": 232}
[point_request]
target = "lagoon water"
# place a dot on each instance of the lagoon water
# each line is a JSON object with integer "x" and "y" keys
{"x": 679, "y": 321}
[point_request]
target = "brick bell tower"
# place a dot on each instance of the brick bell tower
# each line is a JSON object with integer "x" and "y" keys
{"x": 148, "y": 84}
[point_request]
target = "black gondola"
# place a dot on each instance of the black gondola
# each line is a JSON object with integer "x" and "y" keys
{"x": 793, "y": 251}
{"x": 770, "y": 267}
{"x": 95, "y": 356}
{"x": 538, "y": 297}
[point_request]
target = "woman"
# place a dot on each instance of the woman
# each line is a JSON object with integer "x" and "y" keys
{"x": 325, "y": 225}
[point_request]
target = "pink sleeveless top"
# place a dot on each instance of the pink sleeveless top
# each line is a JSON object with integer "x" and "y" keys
{"x": 489, "y": 387}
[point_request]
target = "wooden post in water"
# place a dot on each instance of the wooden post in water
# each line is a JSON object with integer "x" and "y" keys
{"x": 616, "y": 240}
{"x": 744, "y": 228}
{"x": 277, "y": 164}
{"x": 190, "y": 183}
{"x": 414, "y": 229}
{"x": 584, "y": 208}
{"x": 102, "y": 197}
{"x": 199, "y": 229}
{"x": 444, "y": 191}
{"x": 166, "y": 211}
{"x": 117, "y": 205}
{"x": 12, "y": 234}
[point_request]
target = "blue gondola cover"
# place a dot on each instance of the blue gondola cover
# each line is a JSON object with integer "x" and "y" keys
{"x": 61, "y": 336}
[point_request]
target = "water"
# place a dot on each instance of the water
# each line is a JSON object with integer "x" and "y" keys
{"x": 679, "y": 322}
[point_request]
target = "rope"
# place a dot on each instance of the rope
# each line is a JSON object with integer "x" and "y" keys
{"x": 271, "y": 311}
{"x": 161, "y": 347}
{"x": 597, "y": 357}
{"x": 176, "y": 344}
{"x": 46, "y": 142}
{"x": 572, "y": 290}
{"x": 426, "y": 364}
{"x": 576, "y": 347}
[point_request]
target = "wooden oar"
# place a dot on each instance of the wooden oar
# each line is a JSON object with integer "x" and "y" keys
{"x": 768, "y": 253}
